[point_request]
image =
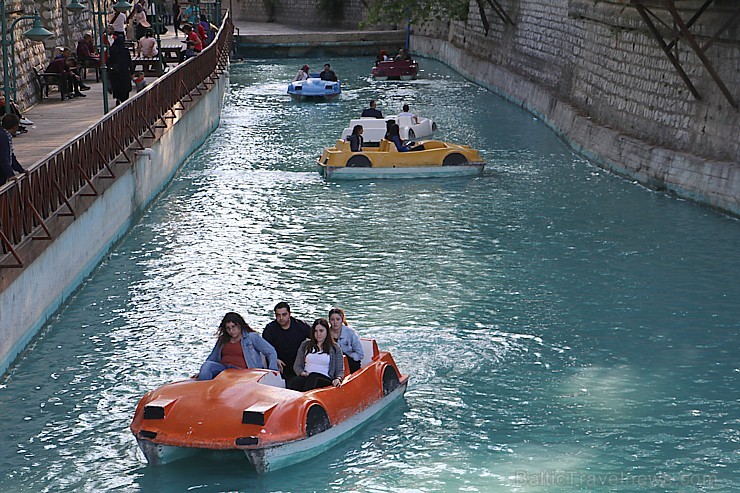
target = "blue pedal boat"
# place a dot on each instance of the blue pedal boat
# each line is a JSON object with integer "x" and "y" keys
{"x": 314, "y": 88}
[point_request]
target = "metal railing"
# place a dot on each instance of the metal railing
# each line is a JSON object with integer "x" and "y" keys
{"x": 26, "y": 203}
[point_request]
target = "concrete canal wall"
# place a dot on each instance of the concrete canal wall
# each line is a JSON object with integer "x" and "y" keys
{"x": 46, "y": 283}
{"x": 592, "y": 71}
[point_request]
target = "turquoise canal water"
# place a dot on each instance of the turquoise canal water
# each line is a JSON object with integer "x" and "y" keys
{"x": 565, "y": 330}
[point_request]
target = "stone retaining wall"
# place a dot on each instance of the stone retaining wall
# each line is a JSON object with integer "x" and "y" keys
{"x": 303, "y": 13}
{"x": 67, "y": 28}
{"x": 50, "y": 279}
{"x": 593, "y": 72}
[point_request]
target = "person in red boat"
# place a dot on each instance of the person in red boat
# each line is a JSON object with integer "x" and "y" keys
{"x": 403, "y": 56}
{"x": 382, "y": 57}
{"x": 237, "y": 346}
{"x": 347, "y": 339}
{"x": 319, "y": 362}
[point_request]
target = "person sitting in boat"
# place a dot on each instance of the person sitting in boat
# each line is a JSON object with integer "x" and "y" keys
{"x": 347, "y": 338}
{"x": 302, "y": 73}
{"x": 328, "y": 74}
{"x": 395, "y": 137}
{"x": 406, "y": 112}
{"x": 403, "y": 56}
{"x": 388, "y": 127}
{"x": 372, "y": 111}
{"x": 355, "y": 139}
{"x": 382, "y": 57}
{"x": 286, "y": 334}
{"x": 319, "y": 362}
{"x": 237, "y": 346}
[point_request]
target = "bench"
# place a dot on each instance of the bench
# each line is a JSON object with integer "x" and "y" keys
{"x": 46, "y": 79}
{"x": 172, "y": 54}
{"x": 85, "y": 63}
{"x": 149, "y": 65}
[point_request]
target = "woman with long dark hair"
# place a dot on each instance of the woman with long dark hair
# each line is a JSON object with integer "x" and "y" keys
{"x": 319, "y": 361}
{"x": 237, "y": 346}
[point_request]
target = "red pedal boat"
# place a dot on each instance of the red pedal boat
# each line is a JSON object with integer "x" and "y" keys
{"x": 252, "y": 411}
{"x": 396, "y": 70}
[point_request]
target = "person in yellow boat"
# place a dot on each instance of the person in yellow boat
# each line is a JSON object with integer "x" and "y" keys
{"x": 395, "y": 137}
{"x": 347, "y": 339}
{"x": 355, "y": 140}
{"x": 319, "y": 362}
{"x": 237, "y": 346}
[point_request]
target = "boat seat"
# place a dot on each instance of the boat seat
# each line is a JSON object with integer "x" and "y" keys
{"x": 346, "y": 367}
{"x": 273, "y": 379}
{"x": 385, "y": 146}
{"x": 342, "y": 146}
{"x": 370, "y": 350}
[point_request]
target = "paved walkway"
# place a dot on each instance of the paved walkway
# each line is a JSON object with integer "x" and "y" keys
{"x": 57, "y": 122}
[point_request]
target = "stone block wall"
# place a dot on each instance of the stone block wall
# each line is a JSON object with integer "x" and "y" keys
{"x": 303, "y": 12}
{"x": 599, "y": 56}
{"x": 67, "y": 28}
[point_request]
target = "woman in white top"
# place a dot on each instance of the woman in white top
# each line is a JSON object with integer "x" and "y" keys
{"x": 148, "y": 45}
{"x": 319, "y": 361}
{"x": 302, "y": 73}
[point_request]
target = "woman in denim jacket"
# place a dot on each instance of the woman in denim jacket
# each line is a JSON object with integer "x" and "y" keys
{"x": 237, "y": 346}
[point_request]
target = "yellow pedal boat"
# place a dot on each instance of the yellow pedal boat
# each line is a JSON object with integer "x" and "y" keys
{"x": 437, "y": 159}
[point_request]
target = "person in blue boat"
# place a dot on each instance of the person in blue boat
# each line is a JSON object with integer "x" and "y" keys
{"x": 286, "y": 334}
{"x": 328, "y": 74}
{"x": 372, "y": 111}
{"x": 302, "y": 73}
{"x": 237, "y": 346}
{"x": 347, "y": 338}
{"x": 319, "y": 361}
{"x": 355, "y": 139}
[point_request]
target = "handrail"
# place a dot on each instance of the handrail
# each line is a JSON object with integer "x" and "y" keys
{"x": 48, "y": 187}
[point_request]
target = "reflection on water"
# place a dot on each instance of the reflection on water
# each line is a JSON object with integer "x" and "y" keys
{"x": 563, "y": 328}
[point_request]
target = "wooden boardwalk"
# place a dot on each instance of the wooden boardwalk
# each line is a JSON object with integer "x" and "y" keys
{"x": 57, "y": 122}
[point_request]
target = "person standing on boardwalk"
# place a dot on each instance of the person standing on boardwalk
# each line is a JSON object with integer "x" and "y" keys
{"x": 176, "y": 16}
{"x": 8, "y": 162}
{"x": 120, "y": 70}
{"x": 286, "y": 334}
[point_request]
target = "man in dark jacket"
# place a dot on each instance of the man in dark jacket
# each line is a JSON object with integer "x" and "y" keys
{"x": 328, "y": 74}
{"x": 286, "y": 334}
{"x": 8, "y": 162}
{"x": 371, "y": 112}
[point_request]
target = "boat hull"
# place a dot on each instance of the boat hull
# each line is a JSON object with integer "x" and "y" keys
{"x": 314, "y": 89}
{"x": 427, "y": 159}
{"x": 345, "y": 173}
{"x": 251, "y": 412}
{"x": 396, "y": 70}
{"x": 272, "y": 458}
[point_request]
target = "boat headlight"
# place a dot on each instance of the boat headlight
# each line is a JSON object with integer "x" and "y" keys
{"x": 257, "y": 414}
{"x": 245, "y": 441}
{"x": 158, "y": 408}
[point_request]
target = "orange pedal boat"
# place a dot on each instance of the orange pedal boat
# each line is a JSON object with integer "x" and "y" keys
{"x": 251, "y": 410}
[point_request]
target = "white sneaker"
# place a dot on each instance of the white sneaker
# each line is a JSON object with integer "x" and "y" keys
{"x": 26, "y": 121}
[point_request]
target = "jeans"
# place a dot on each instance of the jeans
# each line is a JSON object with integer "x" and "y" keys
{"x": 210, "y": 369}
